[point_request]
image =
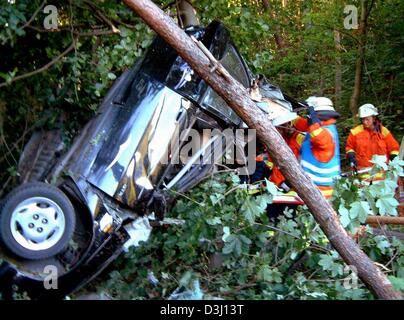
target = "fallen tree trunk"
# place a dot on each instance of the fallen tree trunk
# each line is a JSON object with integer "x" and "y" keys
{"x": 384, "y": 220}
{"x": 238, "y": 99}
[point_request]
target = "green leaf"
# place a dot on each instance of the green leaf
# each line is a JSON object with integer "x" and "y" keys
{"x": 235, "y": 179}
{"x": 379, "y": 161}
{"x": 245, "y": 240}
{"x": 382, "y": 243}
{"x": 251, "y": 209}
{"x": 265, "y": 274}
{"x": 233, "y": 245}
{"x": 269, "y": 275}
{"x": 398, "y": 283}
{"x": 387, "y": 205}
{"x": 326, "y": 261}
{"x": 271, "y": 187}
{"x": 344, "y": 216}
{"x": 360, "y": 210}
{"x": 226, "y": 233}
{"x": 111, "y": 76}
{"x": 214, "y": 221}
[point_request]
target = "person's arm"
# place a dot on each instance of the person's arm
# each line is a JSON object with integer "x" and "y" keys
{"x": 301, "y": 124}
{"x": 350, "y": 144}
{"x": 350, "y": 150}
{"x": 322, "y": 143}
{"x": 393, "y": 148}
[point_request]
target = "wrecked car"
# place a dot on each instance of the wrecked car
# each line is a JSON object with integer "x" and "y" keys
{"x": 73, "y": 215}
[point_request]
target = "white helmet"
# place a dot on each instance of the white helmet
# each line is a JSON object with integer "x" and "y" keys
{"x": 367, "y": 110}
{"x": 312, "y": 101}
{"x": 323, "y": 104}
{"x": 320, "y": 103}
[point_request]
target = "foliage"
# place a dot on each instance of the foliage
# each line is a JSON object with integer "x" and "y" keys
{"x": 228, "y": 243}
{"x": 356, "y": 198}
{"x": 257, "y": 259}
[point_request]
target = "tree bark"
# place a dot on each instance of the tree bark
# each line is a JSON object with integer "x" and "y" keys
{"x": 384, "y": 220}
{"x": 365, "y": 11}
{"x": 338, "y": 68}
{"x": 238, "y": 99}
{"x": 279, "y": 39}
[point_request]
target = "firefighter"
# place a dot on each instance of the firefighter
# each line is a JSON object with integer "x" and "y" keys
{"x": 368, "y": 139}
{"x": 319, "y": 155}
{"x": 294, "y": 140}
{"x": 265, "y": 167}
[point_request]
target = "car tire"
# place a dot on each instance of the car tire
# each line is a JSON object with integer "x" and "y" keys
{"x": 37, "y": 221}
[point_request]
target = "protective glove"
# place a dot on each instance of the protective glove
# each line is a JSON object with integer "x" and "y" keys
{"x": 352, "y": 160}
{"x": 313, "y": 117}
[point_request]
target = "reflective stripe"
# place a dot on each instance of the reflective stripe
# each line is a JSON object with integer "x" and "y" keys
{"x": 316, "y": 169}
{"x": 385, "y": 132}
{"x": 377, "y": 176}
{"x": 395, "y": 152}
{"x": 320, "y": 179}
{"x": 350, "y": 150}
{"x": 316, "y": 132}
{"x": 327, "y": 193}
{"x": 322, "y": 173}
{"x": 357, "y": 130}
{"x": 300, "y": 138}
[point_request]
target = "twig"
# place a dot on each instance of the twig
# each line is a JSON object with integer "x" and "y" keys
{"x": 55, "y": 60}
{"x": 339, "y": 30}
{"x": 292, "y": 235}
{"x": 9, "y": 151}
{"x": 45, "y": 67}
{"x": 251, "y": 284}
{"x": 168, "y": 5}
{"x": 217, "y": 172}
{"x": 98, "y": 11}
{"x": 370, "y": 80}
{"x": 34, "y": 15}
{"x": 180, "y": 22}
{"x": 5, "y": 185}
{"x": 392, "y": 259}
{"x": 15, "y": 144}
{"x": 185, "y": 196}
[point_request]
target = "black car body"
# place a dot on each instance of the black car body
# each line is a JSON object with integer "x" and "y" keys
{"x": 119, "y": 169}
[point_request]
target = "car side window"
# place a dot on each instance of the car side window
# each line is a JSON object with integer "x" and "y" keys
{"x": 236, "y": 67}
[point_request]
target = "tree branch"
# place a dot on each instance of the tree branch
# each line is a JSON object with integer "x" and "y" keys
{"x": 34, "y": 15}
{"x": 98, "y": 11}
{"x": 237, "y": 98}
{"x": 45, "y": 67}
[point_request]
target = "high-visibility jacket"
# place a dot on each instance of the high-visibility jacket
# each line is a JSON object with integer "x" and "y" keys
{"x": 294, "y": 142}
{"x": 366, "y": 143}
{"x": 320, "y": 157}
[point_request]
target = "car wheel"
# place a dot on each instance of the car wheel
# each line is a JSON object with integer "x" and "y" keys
{"x": 37, "y": 221}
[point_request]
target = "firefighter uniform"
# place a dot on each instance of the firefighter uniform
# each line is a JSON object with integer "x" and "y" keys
{"x": 320, "y": 157}
{"x": 365, "y": 143}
